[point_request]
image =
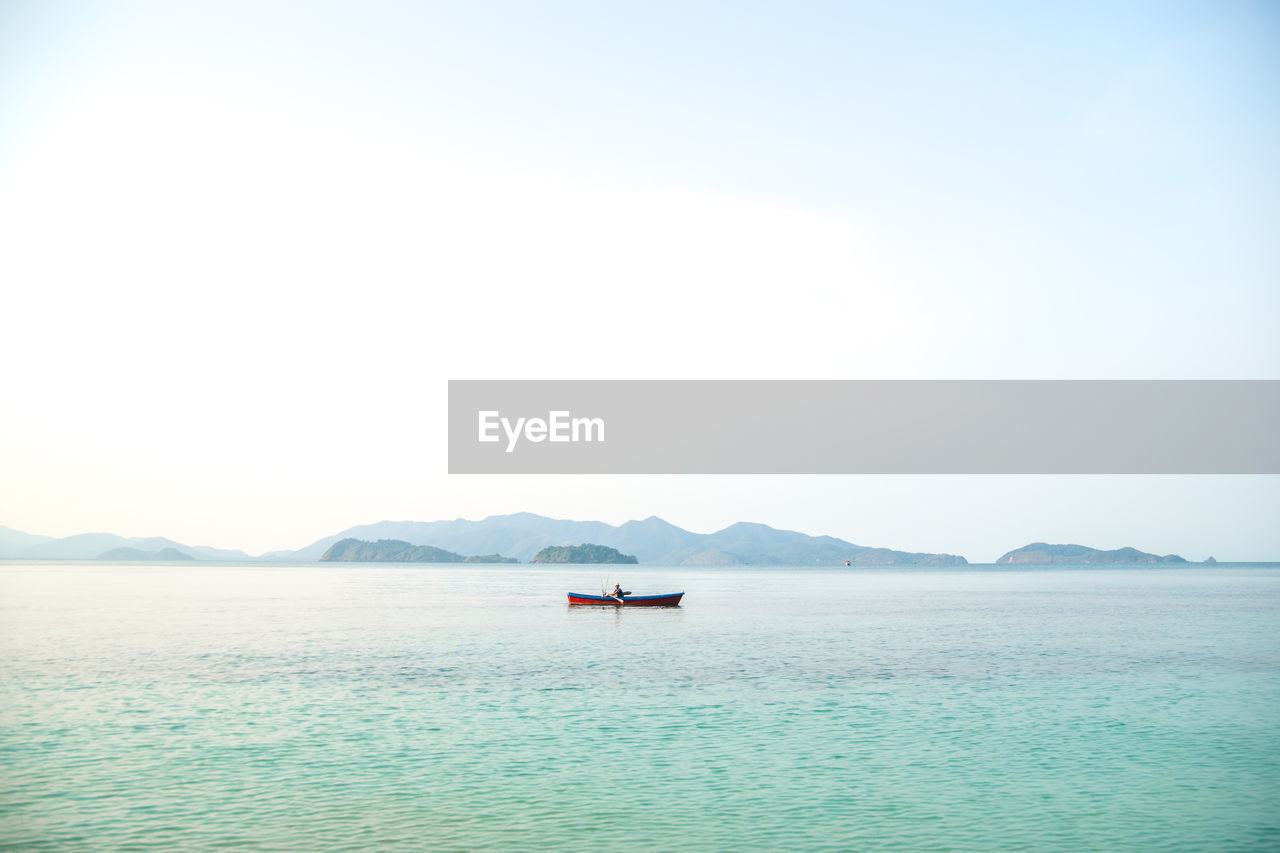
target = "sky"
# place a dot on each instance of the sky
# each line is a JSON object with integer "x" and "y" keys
{"x": 244, "y": 246}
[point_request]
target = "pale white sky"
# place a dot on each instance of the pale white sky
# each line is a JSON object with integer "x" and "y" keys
{"x": 244, "y": 247}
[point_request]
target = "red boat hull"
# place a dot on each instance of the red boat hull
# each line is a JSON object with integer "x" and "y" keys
{"x": 666, "y": 600}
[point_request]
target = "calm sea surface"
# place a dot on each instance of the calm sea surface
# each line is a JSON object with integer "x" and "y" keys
{"x": 464, "y": 707}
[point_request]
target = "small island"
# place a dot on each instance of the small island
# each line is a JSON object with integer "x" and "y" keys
{"x": 396, "y": 551}
{"x": 1040, "y": 553}
{"x": 584, "y": 553}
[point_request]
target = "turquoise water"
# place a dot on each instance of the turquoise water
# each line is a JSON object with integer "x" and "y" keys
{"x": 463, "y": 708}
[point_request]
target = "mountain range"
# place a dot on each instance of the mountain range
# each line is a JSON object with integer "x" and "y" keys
{"x": 521, "y": 535}
{"x": 16, "y": 545}
{"x": 652, "y": 540}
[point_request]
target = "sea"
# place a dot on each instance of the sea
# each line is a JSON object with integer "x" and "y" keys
{"x": 354, "y": 707}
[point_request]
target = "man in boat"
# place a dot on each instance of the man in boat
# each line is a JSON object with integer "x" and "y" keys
{"x": 617, "y": 592}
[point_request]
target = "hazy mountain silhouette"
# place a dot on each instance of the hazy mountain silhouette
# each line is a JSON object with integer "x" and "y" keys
{"x": 135, "y": 554}
{"x": 87, "y": 546}
{"x": 652, "y": 540}
{"x": 12, "y": 541}
{"x": 521, "y": 535}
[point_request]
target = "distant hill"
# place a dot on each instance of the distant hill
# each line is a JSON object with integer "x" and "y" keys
{"x": 15, "y": 541}
{"x": 652, "y": 540}
{"x": 397, "y": 551}
{"x": 88, "y": 546}
{"x": 712, "y": 557}
{"x": 139, "y": 554}
{"x": 520, "y": 535}
{"x": 1040, "y": 552}
{"x": 584, "y": 553}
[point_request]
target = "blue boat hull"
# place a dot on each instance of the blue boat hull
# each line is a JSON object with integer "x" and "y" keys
{"x": 670, "y": 599}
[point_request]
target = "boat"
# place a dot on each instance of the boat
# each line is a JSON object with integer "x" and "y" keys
{"x": 668, "y": 599}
